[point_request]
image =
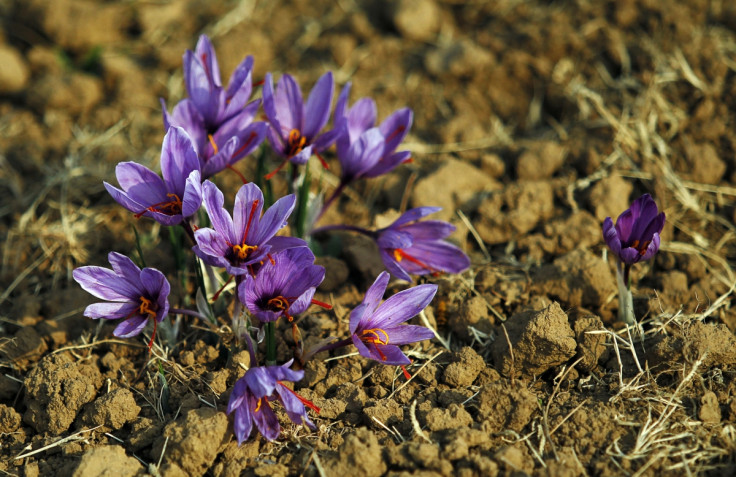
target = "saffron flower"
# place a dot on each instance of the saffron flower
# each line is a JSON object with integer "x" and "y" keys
{"x": 219, "y": 120}
{"x": 133, "y": 295}
{"x": 635, "y": 237}
{"x": 251, "y": 397}
{"x": 377, "y": 330}
{"x": 284, "y": 286}
{"x": 246, "y": 238}
{"x": 364, "y": 149}
{"x": 409, "y": 247}
{"x": 171, "y": 199}
{"x": 295, "y": 126}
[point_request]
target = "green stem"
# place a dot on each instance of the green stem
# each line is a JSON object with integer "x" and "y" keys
{"x": 270, "y": 343}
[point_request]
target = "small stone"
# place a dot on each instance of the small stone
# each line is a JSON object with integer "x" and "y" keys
{"x": 463, "y": 372}
{"x": 610, "y": 196}
{"x": 417, "y": 19}
{"x": 540, "y": 161}
{"x": 710, "y": 411}
{"x": 107, "y": 461}
{"x": 15, "y": 72}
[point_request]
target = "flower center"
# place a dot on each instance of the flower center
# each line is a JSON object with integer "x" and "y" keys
{"x": 374, "y": 336}
{"x": 278, "y": 303}
{"x": 642, "y": 248}
{"x": 145, "y": 308}
{"x": 295, "y": 143}
{"x": 168, "y": 207}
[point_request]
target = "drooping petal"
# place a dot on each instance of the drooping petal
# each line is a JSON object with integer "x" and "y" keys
{"x": 266, "y": 421}
{"x": 294, "y": 407}
{"x": 279, "y": 243}
{"x": 301, "y": 304}
{"x": 260, "y": 381}
{"x": 130, "y": 327}
{"x": 221, "y": 159}
{"x": 387, "y": 164}
{"x": 317, "y": 109}
{"x": 243, "y": 421}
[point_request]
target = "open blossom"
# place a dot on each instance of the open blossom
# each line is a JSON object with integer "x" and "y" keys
{"x": 133, "y": 295}
{"x": 284, "y": 286}
{"x": 251, "y": 400}
{"x": 378, "y": 330}
{"x": 409, "y": 247}
{"x": 246, "y": 238}
{"x": 635, "y": 237}
{"x": 219, "y": 120}
{"x": 171, "y": 199}
{"x": 295, "y": 127}
{"x": 364, "y": 149}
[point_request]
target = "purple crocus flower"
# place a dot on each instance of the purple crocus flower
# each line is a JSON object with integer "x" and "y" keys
{"x": 294, "y": 127}
{"x": 377, "y": 330}
{"x": 635, "y": 237}
{"x": 171, "y": 199}
{"x": 409, "y": 247}
{"x": 135, "y": 295}
{"x": 284, "y": 286}
{"x": 219, "y": 120}
{"x": 363, "y": 149}
{"x": 251, "y": 397}
{"x": 246, "y": 238}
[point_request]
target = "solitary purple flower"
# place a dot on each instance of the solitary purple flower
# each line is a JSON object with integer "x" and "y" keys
{"x": 635, "y": 237}
{"x": 136, "y": 295}
{"x": 246, "y": 238}
{"x": 408, "y": 246}
{"x": 284, "y": 286}
{"x": 219, "y": 120}
{"x": 363, "y": 149}
{"x": 377, "y": 330}
{"x": 171, "y": 199}
{"x": 294, "y": 126}
{"x": 251, "y": 396}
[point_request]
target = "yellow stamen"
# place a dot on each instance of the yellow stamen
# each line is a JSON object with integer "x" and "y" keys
{"x": 145, "y": 307}
{"x": 372, "y": 336}
{"x": 242, "y": 251}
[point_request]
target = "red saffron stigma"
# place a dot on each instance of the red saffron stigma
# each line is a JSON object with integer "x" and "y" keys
{"x": 275, "y": 171}
{"x": 395, "y": 133}
{"x": 244, "y": 146}
{"x": 253, "y": 209}
{"x": 406, "y": 373}
{"x": 322, "y": 160}
{"x": 324, "y": 305}
{"x": 217, "y": 295}
{"x": 237, "y": 172}
{"x": 304, "y": 401}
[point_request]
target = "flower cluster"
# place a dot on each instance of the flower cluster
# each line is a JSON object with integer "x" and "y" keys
{"x": 275, "y": 274}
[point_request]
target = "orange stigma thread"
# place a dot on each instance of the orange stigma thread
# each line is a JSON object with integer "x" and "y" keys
{"x": 304, "y": 401}
{"x": 213, "y": 143}
{"x": 280, "y": 303}
{"x": 395, "y": 133}
{"x": 373, "y": 337}
{"x": 168, "y": 207}
{"x": 643, "y": 248}
{"x": 399, "y": 255}
{"x": 243, "y": 250}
